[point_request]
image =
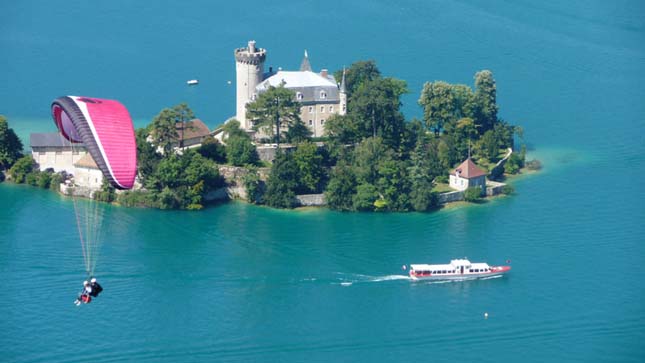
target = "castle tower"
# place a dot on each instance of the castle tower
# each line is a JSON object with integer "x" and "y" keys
{"x": 342, "y": 94}
{"x": 249, "y": 70}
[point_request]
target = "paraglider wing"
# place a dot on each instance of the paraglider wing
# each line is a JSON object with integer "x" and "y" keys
{"x": 105, "y": 128}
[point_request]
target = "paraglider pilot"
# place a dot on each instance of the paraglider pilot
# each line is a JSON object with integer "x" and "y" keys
{"x": 84, "y": 296}
{"x": 95, "y": 287}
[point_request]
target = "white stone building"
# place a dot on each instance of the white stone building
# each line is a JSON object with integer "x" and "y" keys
{"x": 50, "y": 150}
{"x": 319, "y": 93}
{"x": 468, "y": 175}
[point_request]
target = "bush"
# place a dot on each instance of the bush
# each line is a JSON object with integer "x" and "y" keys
{"x": 473, "y": 194}
{"x": 212, "y": 149}
{"x": 21, "y": 169}
{"x": 55, "y": 181}
{"x": 443, "y": 179}
{"x": 44, "y": 180}
{"x": 136, "y": 198}
{"x": 253, "y": 185}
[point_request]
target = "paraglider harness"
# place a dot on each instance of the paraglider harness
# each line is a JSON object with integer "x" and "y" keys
{"x": 86, "y": 296}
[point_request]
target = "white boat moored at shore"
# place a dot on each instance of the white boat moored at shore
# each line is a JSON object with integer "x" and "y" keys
{"x": 459, "y": 269}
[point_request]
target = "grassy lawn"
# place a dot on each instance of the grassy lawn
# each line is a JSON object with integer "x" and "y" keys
{"x": 442, "y": 188}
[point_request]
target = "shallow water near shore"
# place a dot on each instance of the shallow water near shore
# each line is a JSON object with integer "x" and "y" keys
{"x": 240, "y": 283}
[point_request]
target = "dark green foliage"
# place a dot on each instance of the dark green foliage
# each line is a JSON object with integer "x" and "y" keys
{"x": 56, "y": 180}
{"x": 375, "y": 106}
{"x": 485, "y": 111}
{"x": 147, "y": 156}
{"x": 136, "y": 198}
{"x": 473, "y": 194}
{"x": 489, "y": 145}
{"x": 358, "y": 73}
{"x": 10, "y": 145}
{"x": 421, "y": 174}
{"x": 253, "y": 185}
{"x": 297, "y": 133}
{"x": 212, "y": 149}
{"x": 343, "y": 129}
{"x": 366, "y": 195}
{"x": 21, "y": 168}
{"x": 106, "y": 194}
{"x": 513, "y": 164}
{"x": 44, "y": 180}
{"x": 274, "y": 110}
{"x": 182, "y": 181}
{"x": 31, "y": 179}
{"x": 341, "y": 188}
{"x": 240, "y": 151}
{"x": 282, "y": 182}
{"x": 309, "y": 163}
{"x": 232, "y": 129}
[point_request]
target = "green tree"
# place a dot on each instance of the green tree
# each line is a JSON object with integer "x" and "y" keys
{"x": 367, "y": 158}
{"x": 240, "y": 151}
{"x": 341, "y": 188}
{"x": 437, "y": 100}
{"x": 310, "y": 168}
{"x": 489, "y": 145}
{"x": 274, "y": 110}
{"x": 10, "y": 145}
{"x": 366, "y": 195}
{"x": 282, "y": 182}
{"x": 183, "y": 114}
{"x": 147, "y": 156}
{"x": 473, "y": 194}
{"x": 357, "y": 74}
{"x": 21, "y": 168}
{"x": 421, "y": 176}
{"x": 375, "y": 106}
{"x": 212, "y": 149}
{"x": 163, "y": 130}
{"x": 485, "y": 110}
{"x": 232, "y": 129}
{"x": 343, "y": 129}
{"x": 253, "y": 185}
{"x": 394, "y": 185}
{"x": 297, "y": 133}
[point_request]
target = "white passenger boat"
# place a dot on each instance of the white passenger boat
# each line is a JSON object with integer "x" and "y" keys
{"x": 192, "y": 82}
{"x": 460, "y": 269}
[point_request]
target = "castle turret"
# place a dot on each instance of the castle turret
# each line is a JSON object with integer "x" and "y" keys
{"x": 249, "y": 69}
{"x": 342, "y": 95}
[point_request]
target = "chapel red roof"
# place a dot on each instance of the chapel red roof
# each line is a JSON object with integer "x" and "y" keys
{"x": 468, "y": 170}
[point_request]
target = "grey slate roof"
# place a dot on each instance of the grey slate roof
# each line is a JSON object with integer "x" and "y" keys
{"x": 49, "y": 139}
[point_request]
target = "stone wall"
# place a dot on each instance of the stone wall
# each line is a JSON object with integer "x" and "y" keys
{"x": 494, "y": 188}
{"x": 450, "y": 197}
{"x": 311, "y": 200}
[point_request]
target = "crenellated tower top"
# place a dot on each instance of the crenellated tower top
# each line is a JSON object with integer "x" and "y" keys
{"x": 250, "y": 54}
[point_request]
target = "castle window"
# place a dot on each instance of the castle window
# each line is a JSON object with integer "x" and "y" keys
{"x": 344, "y": 108}
{"x": 311, "y": 122}
{"x": 253, "y": 97}
{"x": 323, "y": 94}
{"x": 331, "y": 108}
{"x": 311, "y": 109}
{"x": 322, "y": 122}
{"x": 299, "y": 96}
{"x": 322, "y": 108}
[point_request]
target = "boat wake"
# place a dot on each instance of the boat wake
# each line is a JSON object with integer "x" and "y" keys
{"x": 350, "y": 279}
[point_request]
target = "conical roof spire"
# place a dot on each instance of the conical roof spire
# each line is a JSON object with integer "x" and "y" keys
{"x": 342, "y": 82}
{"x": 305, "y": 65}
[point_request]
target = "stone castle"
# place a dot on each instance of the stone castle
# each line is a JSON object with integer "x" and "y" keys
{"x": 320, "y": 94}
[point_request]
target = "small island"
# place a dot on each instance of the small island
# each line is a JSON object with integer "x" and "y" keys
{"x": 303, "y": 138}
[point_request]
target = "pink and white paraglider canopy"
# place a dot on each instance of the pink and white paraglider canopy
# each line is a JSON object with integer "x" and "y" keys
{"x": 105, "y": 128}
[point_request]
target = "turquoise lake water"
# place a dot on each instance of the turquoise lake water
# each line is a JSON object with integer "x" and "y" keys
{"x": 239, "y": 283}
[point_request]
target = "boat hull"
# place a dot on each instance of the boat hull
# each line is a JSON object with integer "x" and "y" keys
{"x": 496, "y": 271}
